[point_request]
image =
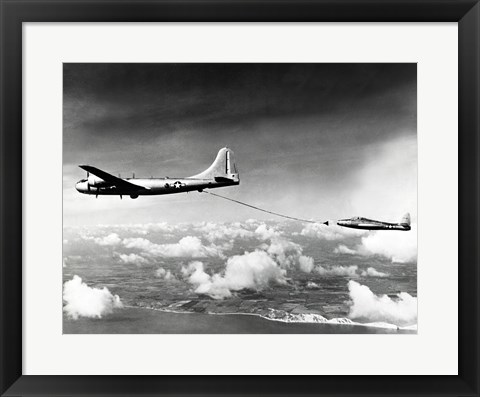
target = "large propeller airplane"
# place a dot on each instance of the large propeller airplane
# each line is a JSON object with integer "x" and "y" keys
{"x": 221, "y": 173}
{"x": 369, "y": 224}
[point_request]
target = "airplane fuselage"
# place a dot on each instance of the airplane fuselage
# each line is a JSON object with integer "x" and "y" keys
{"x": 369, "y": 224}
{"x": 154, "y": 186}
{"x": 221, "y": 173}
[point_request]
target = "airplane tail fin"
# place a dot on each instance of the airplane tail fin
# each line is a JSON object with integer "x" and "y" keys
{"x": 222, "y": 169}
{"x": 405, "y": 220}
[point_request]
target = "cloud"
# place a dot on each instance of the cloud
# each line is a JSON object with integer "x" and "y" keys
{"x": 266, "y": 232}
{"x": 83, "y": 301}
{"x": 253, "y": 270}
{"x": 306, "y": 263}
{"x": 190, "y": 247}
{"x": 381, "y": 308}
{"x": 372, "y": 272}
{"x": 285, "y": 252}
{"x": 132, "y": 259}
{"x": 218, "y": 231}
{"x": 165, "y": 274}
{"x": 398, "y": 246}
{"x": 346, "y": 271}
{"x": 312, "y": 285}
{"x": 109, "y": 240}
{"x": 343, "y": 249}
{"x": 331, "y": 232}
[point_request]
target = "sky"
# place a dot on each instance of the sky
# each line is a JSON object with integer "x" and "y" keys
{"x": 316, "y": 141}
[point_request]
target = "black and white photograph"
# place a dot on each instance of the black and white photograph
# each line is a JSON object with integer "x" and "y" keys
{"x": 239, "y": 198}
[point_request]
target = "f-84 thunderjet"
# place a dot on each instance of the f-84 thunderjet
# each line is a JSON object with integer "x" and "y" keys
{"x": 221, "y": 173}
{"x": 369, "y": 224}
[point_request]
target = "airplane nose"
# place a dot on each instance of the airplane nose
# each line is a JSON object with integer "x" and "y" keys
{"x": 80, "y": 187}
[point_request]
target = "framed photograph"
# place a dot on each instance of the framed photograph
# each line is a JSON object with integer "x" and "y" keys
{"x": 239, "y": 193}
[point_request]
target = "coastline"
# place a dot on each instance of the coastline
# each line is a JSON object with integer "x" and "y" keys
{"x": 138, "y": 320}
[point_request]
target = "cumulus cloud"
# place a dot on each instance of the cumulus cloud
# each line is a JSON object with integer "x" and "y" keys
{"x": 162, "y": 273}
{"x": 216, "y": 231}
{"x": 312, "y": 285}
{"x": 83, "y": 301}
{"x": 265, "y": 232}
{"x": 189, "y": 246}
{"x": 372, "y": 272}
{"x": 141, "y": 228}
{"x": 252, "y": 270}
{"x": 343, "y": 249}
{"x": 132, "y": 259}
{"x": 331, "y": 232}
{"x": 305, "y": 263}
{"x": 346, "y": 271}
{"x": 157, "y": 227}
{"x": 285, "y": 252}
{"x": 111, "y": 239}
{"x": 398, "y": 246}
{"x": 365, "y": 305}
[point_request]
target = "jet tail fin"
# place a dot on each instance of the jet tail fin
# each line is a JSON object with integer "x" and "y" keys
{"x": 222, "y": 169}
{"x": 405, "y": 220}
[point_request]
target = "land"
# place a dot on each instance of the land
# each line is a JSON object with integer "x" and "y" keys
{"x": 147, "y": 321}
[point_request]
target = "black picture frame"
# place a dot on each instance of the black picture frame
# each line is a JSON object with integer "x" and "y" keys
{"x": 15, "y": 12}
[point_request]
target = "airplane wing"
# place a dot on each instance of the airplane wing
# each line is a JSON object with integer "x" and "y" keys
{"x": 118, "y": 182}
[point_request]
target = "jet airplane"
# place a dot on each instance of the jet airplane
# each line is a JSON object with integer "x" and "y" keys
{"x": 369, "y": 224}
{"x": 221, "y": 173}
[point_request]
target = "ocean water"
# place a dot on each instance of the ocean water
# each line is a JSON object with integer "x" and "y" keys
{"x": 282, "y": 271}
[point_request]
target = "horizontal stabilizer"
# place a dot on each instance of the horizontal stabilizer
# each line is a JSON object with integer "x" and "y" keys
{"x": 223, "y": 179}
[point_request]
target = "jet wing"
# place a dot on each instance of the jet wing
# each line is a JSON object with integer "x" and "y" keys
{"x": 118, "y": 182}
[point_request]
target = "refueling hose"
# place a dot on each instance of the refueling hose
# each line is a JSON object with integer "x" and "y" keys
{"x": 263, "y": 210}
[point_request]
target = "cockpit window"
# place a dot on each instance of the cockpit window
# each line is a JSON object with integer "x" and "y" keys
{"x": 82, "y": 180}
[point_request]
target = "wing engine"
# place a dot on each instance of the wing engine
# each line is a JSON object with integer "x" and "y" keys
{"x": 95, "y": 181}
